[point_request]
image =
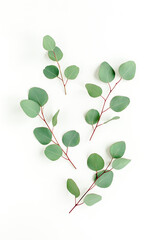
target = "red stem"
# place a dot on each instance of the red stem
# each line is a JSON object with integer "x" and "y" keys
{"x": 55, "y": 141}
{"x": 102, "y": 111}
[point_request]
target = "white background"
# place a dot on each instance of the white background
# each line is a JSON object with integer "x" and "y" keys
{"x": 34, "y": 202}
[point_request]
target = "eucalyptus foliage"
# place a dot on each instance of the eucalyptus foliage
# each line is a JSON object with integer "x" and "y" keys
{"x": 33, "y": 107}
{"x": 55, "y": 54}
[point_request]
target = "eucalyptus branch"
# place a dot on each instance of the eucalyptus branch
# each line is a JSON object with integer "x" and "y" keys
{"x": 118, "y": 103}
{"x": 33, "y": 106}
{"x": 102, "y": 178}
{"x": 56, "y": 55}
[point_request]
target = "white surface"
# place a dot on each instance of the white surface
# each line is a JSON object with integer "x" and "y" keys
{"x": 34, "y": 202}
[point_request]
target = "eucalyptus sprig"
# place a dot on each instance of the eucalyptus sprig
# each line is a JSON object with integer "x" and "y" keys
{"x": 33, "y": 107}
{"x": 55, "y": 54}
{"x": 118, "y": 103}
{"x": 103, "y": 177}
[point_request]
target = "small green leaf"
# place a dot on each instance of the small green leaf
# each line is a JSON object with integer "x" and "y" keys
{"x": 71, "y": 72}
{"x": 53, "y": 152}
{"x": 38, "y": 95}
{"x": 51, "y": 72}
{"x": 91, "y": 199}
{"x": 105, "y": 179}
{"x": 73, "y": 188}
{"x": 119, "y": 103}
{"x": 95, "y": 162}
{"x": 92, "y": 116}
{"x": 30, "y": 108}
{"x": 54, "y": 118}
{"x": 114, "y": 118}
{"x": 43, "y": 135}
{"x": 93, "y": 90}
{"x": 48, "y": 43}
{"x": 71, "y": 139}
{"x": 57, "y": 51}
{"x": 106, "y": 72}
{"x": 117, "y": 149}
{"x": 120, "y": 163}
{"x": 127, "y": 70}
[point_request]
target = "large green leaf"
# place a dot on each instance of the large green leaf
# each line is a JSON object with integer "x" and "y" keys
{"x": 71, "y": 138}
{"x": 105, "y": 179}
{"x": 119, "y": 103}
{"x": 72, "y": 188}
{"x": 54, "y": 118}
{"x": 38, "y": 95}
{"x": 48, "y": 43}
{"x": 30, "y": 108}
{"x": 95, "y": 162}
{"x": 117, "y": 149}
{"x": 120, "y": 163}
{"x": 91, "y": 199}
{"x": 43, "y": 135}
{"x": 92, "y": 116}
{"x": 53, "y": 152}
{"x": 51, "y": 72}
{"x": 57, "y": 51}
{"x": 127, "y": 70}
{"x": 93, "y": 90}
{"x": 71, "y": 72}
{"x": 106, "y": 72}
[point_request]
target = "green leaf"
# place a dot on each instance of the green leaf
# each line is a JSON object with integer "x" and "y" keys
{"x": 127, "y": 70}
{"x": 93, "y": 90}
{"x": 54, "y": 118}
{"x": 95, "y": 162}
{"x": 105, "y": 179}
{"x": 43, "y": 135}
{"x": 53, "y": 152}
{"x": 119, "y": 103}
{"x": 117, "y": 149}
{"x": 114, "y": 118}
{"x": 71, "y": 72}
{"x": 38, "y": 95}
{"x": 57, "y": 51}
{"x": 106, "y": 72}
{"x": 91, "y": 199}
{"x": 92, "y": 116}
{"x": 71, "y": 138}
{"x": 73, "y": 188}
{"x": 48, "y": 43}
{"x": 30, "y": 108}
{"x": 120, "y": 163}
{"x": 51, "y": 72}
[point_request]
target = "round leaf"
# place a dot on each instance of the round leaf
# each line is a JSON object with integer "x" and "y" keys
{"x": 71, "y": 72}
{"x": 118, "y": 149}
{"x": 72, "y": 188}
{"x": 71, "y": 138}
{"x": 95, "y": 162}
{"x": 38, "y": 95}
{"x": 93, "y": 90}
{"x": 57, "y": 52}
{"x": 43, "y": 135}
{"x": 91, "y": 199}
{"x": 105, "y": 179}
{"x": 92, "y": 116}
{"x": 53, "y": 152}
{"x": 30, "y": 108}
{"x": 119, "y": 103}
{"x": 127, "y": 70}
{"x": 106, "y": 73}
{"x": 48, "y": 43}
{"x": 120, "y": 163}
{"x": 51, "y": 72}
{"x": 54, "y": 119}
